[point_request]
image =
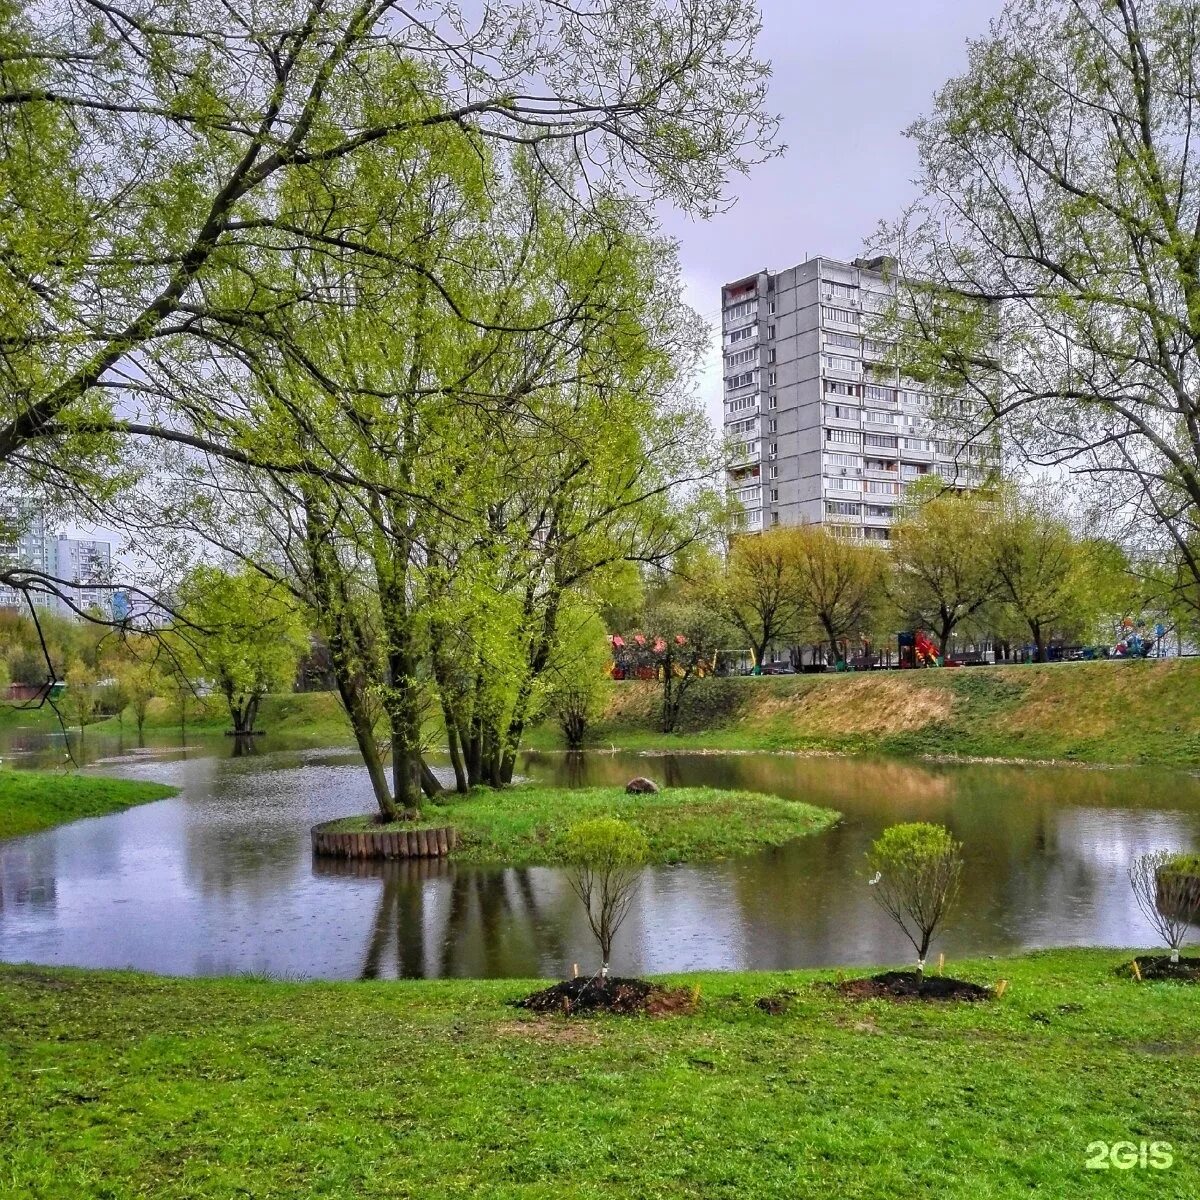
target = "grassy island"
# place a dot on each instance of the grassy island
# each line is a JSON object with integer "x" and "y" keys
{"x": 34, "y": 800}
{"x": 525, "y": 826}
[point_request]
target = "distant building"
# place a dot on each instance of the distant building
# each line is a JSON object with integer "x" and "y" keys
{"x": 823, "y": 431}
{"x": 24, "y": 543}
{"x": 83, "y": 565}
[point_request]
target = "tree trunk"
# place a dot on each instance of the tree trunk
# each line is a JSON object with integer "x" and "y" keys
{"x": 347, "y": 648}
{"x": 945, "y": 630}
{"x": 456, "y": 760}
{"x": 431, "y": 785}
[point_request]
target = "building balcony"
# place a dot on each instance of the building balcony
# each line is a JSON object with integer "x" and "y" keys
{"x": 876, "y": 473}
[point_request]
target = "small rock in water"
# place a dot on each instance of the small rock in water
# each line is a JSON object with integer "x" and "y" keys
{"x": 641, "y": 786}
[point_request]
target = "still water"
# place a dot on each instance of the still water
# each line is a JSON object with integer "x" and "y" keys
{"x": 220, "y": 878}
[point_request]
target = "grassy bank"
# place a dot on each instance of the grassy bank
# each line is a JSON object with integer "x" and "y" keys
{"x": 33, "y": 800}
{"x": 124, "y": 1085}
{"x": 1102, "y": 712}
{"x": 314, "y": 715}
{"x": 526, "y": 825}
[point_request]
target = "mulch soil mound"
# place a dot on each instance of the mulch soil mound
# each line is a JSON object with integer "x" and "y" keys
{"x": 1186, "y": 970}
{"x": 907, "y": 985}
{"x": 626, "y": 997}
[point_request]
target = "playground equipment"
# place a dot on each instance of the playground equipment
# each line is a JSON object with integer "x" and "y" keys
{"x": 917, "y": 649}
{"x": 1135, "y": 640}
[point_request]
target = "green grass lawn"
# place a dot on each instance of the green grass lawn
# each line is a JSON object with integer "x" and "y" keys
{"x": 33, "y": 800}
{"x": 115, "y": 1085}
{"x": 526, "y": 825}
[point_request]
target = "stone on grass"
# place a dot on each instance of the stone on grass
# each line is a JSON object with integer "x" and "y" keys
{"x": 641, "y": 786}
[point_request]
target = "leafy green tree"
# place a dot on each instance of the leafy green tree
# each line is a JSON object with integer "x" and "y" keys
{"x": 576, "y": 681}
{"x": 79, "y": 699}
{"x": 943, "y": 573}
{"x": 1044, "y": 573}
{"x": 682, "y": 640}
{"x": 1050, "y": 275}
{"x": 606, "y": 856}
{"x": 760, "y": 593}
{"x": 169, "y": 208}
{"x": 245, "y": 633}
{"x": 839, "y": 585}
{"x": 915, "y": 871}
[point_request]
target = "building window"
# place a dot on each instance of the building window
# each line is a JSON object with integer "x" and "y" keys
{"x": 881, "y": 441}
{"x": 740, "y": 356}
{"x": 770, "y": 378}
{"x": 740, "y": 381}
{"x": 774, "y": 518}
{"x": 847, "y": 341}
{"x": 772, "y": 426}
{"x": 841, "y": 508}
{"x": 841, "y": 316}
{"x": 740, "y": 335}
{"x": 772, "y": 401}
{"x": 770, "y": 333}
{"x": 774, "y": 495}
{"x": 771, "y": 355}
{"x": 848, "y": 437}
{"x": 771, "y": 308}
{"x": 773, "y": 473}
{"x": 835, "y": 387}
{"x": 842, "y": 291}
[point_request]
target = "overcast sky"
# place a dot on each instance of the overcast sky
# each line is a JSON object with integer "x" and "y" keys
{"x": 848, "y": 78}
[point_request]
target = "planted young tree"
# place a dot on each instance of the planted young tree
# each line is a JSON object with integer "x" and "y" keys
{"x": 915, "y": 870}
{"x": 606, "y": 856}
{"x": 1166, "y": 886}
{"x": 245, "y": 633}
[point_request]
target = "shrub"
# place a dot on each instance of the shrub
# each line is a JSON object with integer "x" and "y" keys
{"x": 605, "y": 855}
{"x": 1167, "y": 888}
{"x": 915, "y": 877}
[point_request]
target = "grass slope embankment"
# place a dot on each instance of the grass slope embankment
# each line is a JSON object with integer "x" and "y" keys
{"x": 317, "y": 716}
{"x": 523, "y": 826}
{"x": 1099, "y": 712}
{"x": 35, "y": 800}
{"x": 121, "y": 1085}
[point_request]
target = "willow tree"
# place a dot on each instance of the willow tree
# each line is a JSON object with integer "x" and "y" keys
{"x": 838, "y": 585}
{"x": 173, "y": 170}
{"x": 944, "y": 571}
{"x": 759, "y": 593}
{"x": 1052, "y": 268}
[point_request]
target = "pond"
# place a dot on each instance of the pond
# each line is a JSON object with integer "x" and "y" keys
{"x": 220, "y": 878}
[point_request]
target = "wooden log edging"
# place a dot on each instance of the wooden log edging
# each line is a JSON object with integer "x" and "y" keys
{"x": 383, "y": 843}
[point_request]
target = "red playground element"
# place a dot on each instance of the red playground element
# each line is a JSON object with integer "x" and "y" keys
{"x": 925, "y": 651}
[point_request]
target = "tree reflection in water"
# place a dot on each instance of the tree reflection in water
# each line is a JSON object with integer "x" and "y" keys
{"x": 470, "y": 912}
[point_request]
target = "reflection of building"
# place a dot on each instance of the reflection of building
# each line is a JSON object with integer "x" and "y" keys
{"x": 83, "y": 565}
{"x": 823, "y": 430}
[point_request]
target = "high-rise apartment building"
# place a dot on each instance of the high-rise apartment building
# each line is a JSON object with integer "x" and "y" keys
{"x": 82, "y": 565}
{"x": 823, "y": 431}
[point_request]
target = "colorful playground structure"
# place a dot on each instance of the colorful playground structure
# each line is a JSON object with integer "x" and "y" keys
{"x": 917, "y": 649}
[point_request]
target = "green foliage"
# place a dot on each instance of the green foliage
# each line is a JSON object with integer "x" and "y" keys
{"x": 915, "y": 873}
{"x": 243, "y": 632}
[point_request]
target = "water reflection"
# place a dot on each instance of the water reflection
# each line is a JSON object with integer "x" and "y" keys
{"x": 221, "y": 878}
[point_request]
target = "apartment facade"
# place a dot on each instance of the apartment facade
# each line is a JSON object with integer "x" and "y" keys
{"x": 83, "y": 565}
{"x": 822, "y": 430}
